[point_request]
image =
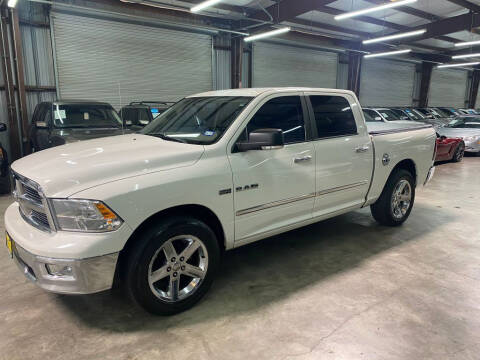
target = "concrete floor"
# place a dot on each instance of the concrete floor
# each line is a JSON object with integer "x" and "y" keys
{"x": 345, "y": 288}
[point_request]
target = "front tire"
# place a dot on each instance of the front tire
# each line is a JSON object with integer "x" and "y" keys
{"x": 172, "y": 265}
{"x": 396, "y": 201}
{"x": 459, "y": 153}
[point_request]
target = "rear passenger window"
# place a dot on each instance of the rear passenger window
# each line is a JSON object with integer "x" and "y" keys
{"x": 283, "y": 113}
{"x": 333, "y": 116}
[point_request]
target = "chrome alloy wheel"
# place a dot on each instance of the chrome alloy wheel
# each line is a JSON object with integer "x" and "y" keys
{"x": 401, "y": 199}
{"x": 177, "y": 268}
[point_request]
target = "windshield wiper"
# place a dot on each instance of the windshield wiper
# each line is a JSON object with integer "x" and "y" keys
{"x": 169, "y": 138}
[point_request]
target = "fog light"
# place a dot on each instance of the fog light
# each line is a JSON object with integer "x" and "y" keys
{"x": 59, "y": 270}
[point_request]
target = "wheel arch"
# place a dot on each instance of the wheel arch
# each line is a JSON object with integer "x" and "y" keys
{"x": 196, "y": 211}
{"x": 408, "y": 165}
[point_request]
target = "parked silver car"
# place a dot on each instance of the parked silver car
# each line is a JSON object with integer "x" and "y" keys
{"x": 467, "y": 128}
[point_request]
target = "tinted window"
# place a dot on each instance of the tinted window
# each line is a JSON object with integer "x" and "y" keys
{"x": 388, "y": 114}
{"x": 283, "y": 113}
{"x": 370, "y": 115}
{"x": 333, "y": 116}
{"x": 86, "y": 115}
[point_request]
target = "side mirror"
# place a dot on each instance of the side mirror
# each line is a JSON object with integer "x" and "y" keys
{"x": 262, "y": 139}
{"x": 41, "y": 125}
{"x": 3, "y": 127}
{"x": 378, "y": 118}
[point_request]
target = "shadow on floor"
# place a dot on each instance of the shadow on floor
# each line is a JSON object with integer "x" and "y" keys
{"x": 267, "y": 271}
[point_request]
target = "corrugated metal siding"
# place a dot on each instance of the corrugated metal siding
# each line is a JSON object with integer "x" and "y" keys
{"x": 223, "y": 72}
{"x": 448, "y": 88}
{"x": 120, "y": 62}
{"x": 386, "y": 83}
{"x": 342, "y": 75}
{"x": 283, "y": 65}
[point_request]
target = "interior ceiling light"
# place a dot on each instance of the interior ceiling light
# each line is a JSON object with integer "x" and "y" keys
{"x": 396, "y": 36}
{"x": 467, "y": 43}
{"x": 465, "y": 56}
{"x": 457, "y": 65}
{"x": 204, "y": 5}
{"x": 373, "y": 9}
{"x": 388, "y": 53}
{"x": 267, "y": 34}
{"x": 12, "y": 3}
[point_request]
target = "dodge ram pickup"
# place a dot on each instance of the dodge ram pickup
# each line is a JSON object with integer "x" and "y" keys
{"x": 154, "y": 211}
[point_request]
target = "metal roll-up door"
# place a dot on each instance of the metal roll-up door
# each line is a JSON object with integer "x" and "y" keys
{"x": 386, "y": 83}
{"x": 120, "y": 62}
{"x": 448, "y": 88}
{"x": 282, "y": 65}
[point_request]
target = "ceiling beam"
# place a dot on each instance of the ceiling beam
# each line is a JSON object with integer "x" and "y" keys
{"x": 287, "y": 10}
{"x": 410, "y": 10}
{"x": 379, "y": 22}
{"x": 467, "y": 5}
{"x": 445, "y": 26}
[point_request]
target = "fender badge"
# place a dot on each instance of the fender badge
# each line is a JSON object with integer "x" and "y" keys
{"x": 385, "y": 159}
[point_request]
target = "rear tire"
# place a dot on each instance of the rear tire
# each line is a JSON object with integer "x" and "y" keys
{"x": 459, "y": 153}
{"x": 165, "y": 278}
{"x": 396, "y": 201}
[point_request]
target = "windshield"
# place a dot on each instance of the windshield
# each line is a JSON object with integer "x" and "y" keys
{"x": 370, "y": 116}
{"x": 197, "y": 120}
{"x": 412, "y": 115}
{"x": 465, "y": 122}
{"x": 85, "y": 116}
{"x": 389, "y": 115}
{"x": 400, "y": 114}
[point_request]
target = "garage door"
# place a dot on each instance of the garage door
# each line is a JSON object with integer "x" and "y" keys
{"x": 448, "y": 88}
{"x": 386, "y": 83}
{"x": 119, "y": 62}
{"x": 281, "y": 65}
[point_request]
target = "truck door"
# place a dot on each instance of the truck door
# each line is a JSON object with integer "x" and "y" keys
{"x": 343, "y": 149}
{"x": 274, "y": 188}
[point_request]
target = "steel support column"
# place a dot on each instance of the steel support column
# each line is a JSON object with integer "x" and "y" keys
{"x": 20, "y": 77}
{"x": 426, "y": 77}
{"x": 472, "y": 95}
{"x": 5, "y": 62}
{"x": 236, "y": 58}
{"x": 354, "y": 72}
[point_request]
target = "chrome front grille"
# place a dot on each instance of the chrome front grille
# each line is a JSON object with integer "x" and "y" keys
{"x": 33, "y": 204}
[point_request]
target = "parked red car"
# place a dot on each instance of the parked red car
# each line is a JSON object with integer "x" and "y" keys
{"x": 449, "y": 149}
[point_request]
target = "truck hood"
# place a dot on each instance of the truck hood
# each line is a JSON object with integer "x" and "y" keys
{"x": 73, "y": 135}
{"x": 65, "y": 170}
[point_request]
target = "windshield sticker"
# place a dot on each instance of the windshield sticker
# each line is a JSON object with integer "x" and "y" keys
{"x": 86, "y": 116}
{"x": 60, "y": 114}
{"x": 209, "y": 133}
{"x": 384, "y": 115}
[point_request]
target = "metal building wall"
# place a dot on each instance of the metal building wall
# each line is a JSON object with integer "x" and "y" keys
{"x": 448, "y": 88}
{"x": 386, "y": 83}
{"x": 222, "y": 64}
{"x": 285, "y": 65}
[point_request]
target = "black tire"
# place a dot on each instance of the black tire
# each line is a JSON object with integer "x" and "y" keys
{"x": 148, "y": 244}
{"x": 382, "y": 209}
{"x": 5, "y": 185}
{"x": 459, "y": 153}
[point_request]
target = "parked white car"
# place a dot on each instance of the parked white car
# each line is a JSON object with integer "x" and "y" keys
{"x": 218, "y": 170}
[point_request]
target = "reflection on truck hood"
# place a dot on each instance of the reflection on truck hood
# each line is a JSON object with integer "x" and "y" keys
{"x": 78, "y": 134}
{"x": 65, "y": 170}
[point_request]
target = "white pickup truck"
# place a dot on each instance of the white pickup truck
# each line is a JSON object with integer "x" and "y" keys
{"x": 154, "y": 211}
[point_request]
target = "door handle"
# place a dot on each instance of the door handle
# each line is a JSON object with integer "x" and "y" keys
{"x": 302, "y": 159}
{"x": 362, "y": 149}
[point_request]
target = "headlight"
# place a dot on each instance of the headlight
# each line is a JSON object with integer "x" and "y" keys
{"x": 84, "y": 215}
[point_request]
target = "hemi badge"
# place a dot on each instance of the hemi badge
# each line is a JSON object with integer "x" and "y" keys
{"x": 225, "y": 192}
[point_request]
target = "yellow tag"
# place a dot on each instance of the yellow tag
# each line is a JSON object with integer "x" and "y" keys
{"x": 9, "y": 244}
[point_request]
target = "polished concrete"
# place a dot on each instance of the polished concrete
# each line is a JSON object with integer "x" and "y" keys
{"x": 345, "y": 288}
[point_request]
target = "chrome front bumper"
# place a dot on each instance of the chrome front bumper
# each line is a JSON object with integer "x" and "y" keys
{"x": 70, "y": 276}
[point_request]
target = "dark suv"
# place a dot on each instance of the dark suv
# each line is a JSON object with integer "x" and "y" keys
{"x": 138, "y": 114}
{"x": 65, "y": 121}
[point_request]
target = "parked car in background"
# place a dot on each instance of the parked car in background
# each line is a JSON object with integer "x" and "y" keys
{"x": 5, "y": 186}
{"x": 137, "y": 115}
{"x": 383, "y": 115}
{"x": 449, "y": 112}
{"x": 417, "y": 115}
{"x": 218, "y": 170}
{"x": 66, "y": 121}
{"x": 449, "y": 148}
{"x": 467, "y": 128}
{"x": 467, "y": 111}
